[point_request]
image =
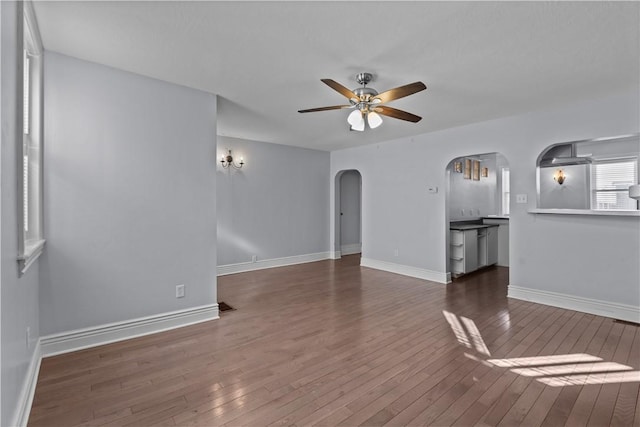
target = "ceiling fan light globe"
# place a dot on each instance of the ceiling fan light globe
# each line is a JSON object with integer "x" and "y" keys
{"x": 354, "y": 118}
{"x": 374, "y": 120}
{"x": 359, "y": 126}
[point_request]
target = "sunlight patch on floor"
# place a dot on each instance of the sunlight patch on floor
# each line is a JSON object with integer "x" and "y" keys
{"x": 600, "y": 378}
{"x": 544, "y": 360}
{"x": 476, "y": 337}
{"x": 569, "y": 369}
{"x": 466, "y": 332}
{"x": 583, "y": 368}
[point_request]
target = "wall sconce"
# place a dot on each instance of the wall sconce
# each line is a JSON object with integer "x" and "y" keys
{"x": 227, "y": 161}
{"x": 559, "y": 176}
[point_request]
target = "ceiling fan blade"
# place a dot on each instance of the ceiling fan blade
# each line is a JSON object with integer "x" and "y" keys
{"x": 333, "y": 107}
{"x": 397, "y": 114}
{"x": 339, "y": 88}
{"x": 400, "y": 92}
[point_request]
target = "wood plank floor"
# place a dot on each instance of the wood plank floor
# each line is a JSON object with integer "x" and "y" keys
{"x": 331, "y": 343}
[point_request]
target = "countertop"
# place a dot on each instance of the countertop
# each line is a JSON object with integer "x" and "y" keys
{"x": 470, "y": 226}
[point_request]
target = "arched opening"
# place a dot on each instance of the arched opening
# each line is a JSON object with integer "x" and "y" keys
{"x": 477, "y": 212}
{"x": 592, "y": 174}
{"x": 348, "y": 213}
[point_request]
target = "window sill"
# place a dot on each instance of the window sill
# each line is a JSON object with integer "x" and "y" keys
{"x": 584, "y": 212}
{"x": 31, "y": 253}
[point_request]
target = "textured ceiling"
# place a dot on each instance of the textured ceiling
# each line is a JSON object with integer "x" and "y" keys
{"x": 479, "y": 60}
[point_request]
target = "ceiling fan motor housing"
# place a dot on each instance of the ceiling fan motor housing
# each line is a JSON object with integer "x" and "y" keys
{"x": 364, "y": 91}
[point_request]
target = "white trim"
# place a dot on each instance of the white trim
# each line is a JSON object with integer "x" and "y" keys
{"x": 406, "y": 270}
{"x": 601, "y": 308}
{"x": 592, "y": 212}
{"x": 354, "y": 248}
{"x": 335, "y": 255}
{"x": 79, "y": 339}
{"x": 33, "y": 32}
{"x": 23, "y": 409}
{"x": 243, "y": 267}
{"x": 31, "y": 254}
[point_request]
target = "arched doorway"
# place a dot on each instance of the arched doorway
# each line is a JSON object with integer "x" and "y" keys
{"x": 477, "y": 193}
{"x": 348, "y": 213}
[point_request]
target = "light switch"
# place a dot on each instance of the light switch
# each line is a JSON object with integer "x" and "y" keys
{"x": 433, "y": 190}
{"x": 521, "y": 198}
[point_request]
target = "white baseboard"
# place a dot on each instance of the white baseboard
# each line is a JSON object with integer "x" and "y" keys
{"x": 23, "y": 409}
{"x": 79, "y": 339}
{"x": 601, "y": 308}
{"x": 350, "y": 249}
{"x": 335, "y": 255}
{"x": 243, "y": 267}
{"x": 406, "y": 270}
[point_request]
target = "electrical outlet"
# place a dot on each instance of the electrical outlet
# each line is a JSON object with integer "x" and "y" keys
{"x": 395, "y": 252}
{"x": 254, "y": 258}
{"x": 179, "y": 291}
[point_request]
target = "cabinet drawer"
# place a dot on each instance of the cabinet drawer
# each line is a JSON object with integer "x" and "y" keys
{"x": 457, "y": 252}
{"x": 457, "y": 266}
{"x": 457, "y": 238}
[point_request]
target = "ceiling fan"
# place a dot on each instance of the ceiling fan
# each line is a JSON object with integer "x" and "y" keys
{"x": 367, "y": 102}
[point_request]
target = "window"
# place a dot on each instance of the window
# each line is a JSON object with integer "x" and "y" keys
{"x": 610, "y": 181}
{"x": 506, "y": 198}
{"x": 31, "y": 240}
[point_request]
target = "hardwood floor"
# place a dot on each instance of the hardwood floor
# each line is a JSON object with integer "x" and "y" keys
{"x": 331, "y": 343}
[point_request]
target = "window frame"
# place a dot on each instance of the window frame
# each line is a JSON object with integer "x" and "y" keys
{"x": 30, "y": 159}
{"x": 505, "y": 199}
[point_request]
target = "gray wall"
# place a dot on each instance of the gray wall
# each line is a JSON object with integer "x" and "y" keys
{"x": 475, "y": 198}
{"x": 350, "y": 208}
{"x": 572, "y": 194}
{"x": 18, "y": 295}
{"x": 275, "y": 206}
{"x": 599, "y": 253}
{"x": 130, "y": 196}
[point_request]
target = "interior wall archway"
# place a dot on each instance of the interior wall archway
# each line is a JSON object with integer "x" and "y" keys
{"x": 476, "y": 193}
{"x": 347, "y": 213}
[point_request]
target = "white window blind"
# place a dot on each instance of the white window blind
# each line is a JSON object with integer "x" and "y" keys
{"x": 26, "y": 105}
{"x": 610, "y": 183}
{"x": 26, "y": 96}
{"x": 25, "y": 192}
